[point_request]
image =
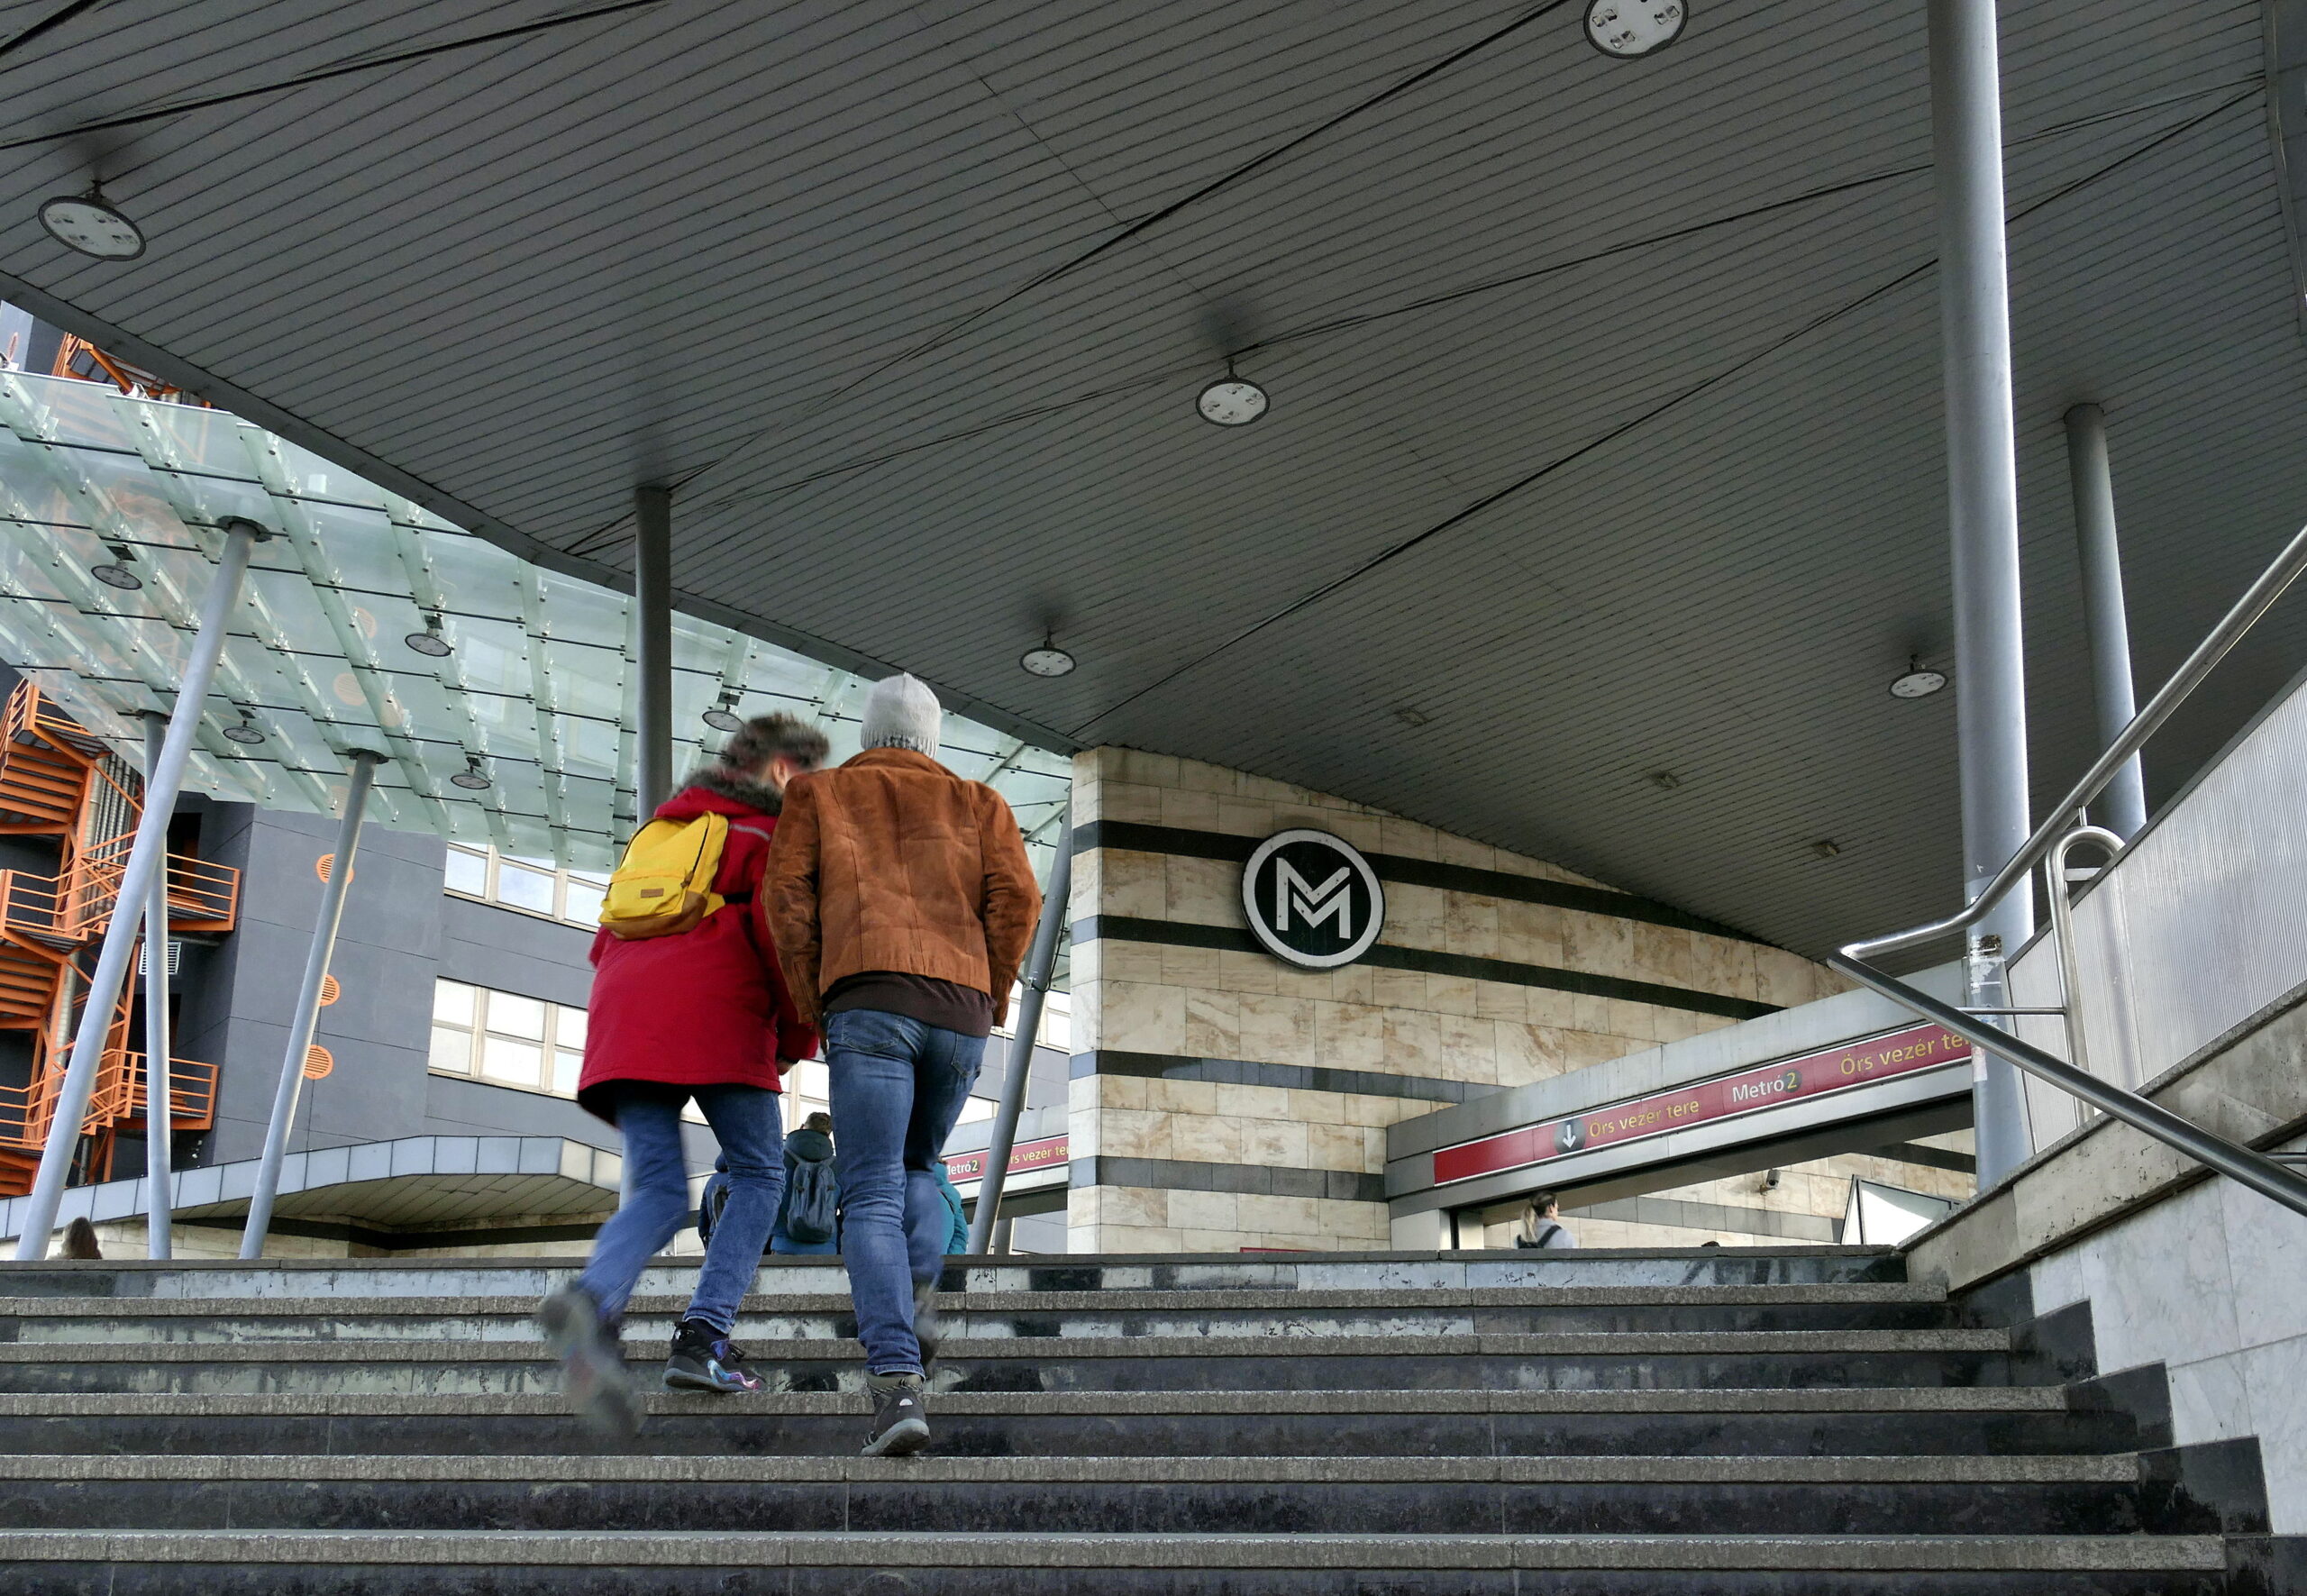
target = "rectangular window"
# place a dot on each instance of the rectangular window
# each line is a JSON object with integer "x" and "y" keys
{"x": 533, "y": 886}
{"x": 506, "y": 1039}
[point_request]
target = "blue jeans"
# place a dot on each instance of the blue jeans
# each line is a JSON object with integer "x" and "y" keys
{"x": 656, "y": 1195}
{"x": 897, "y": 1087}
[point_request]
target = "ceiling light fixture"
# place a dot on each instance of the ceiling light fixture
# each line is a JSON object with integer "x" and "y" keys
{"x": 1825, "y": 848}
{"x": 1664, "y": 780}
{"x": 247, "y": 734}
{"x": 84, "y": 222}
{"x": 1049, "y": 659}
{"x": 1231, "y": 400}
{"x": 472, "y": 778}
{"x": 116, "y": 573}
{"x": 429, "y": 642}
{"x": 1918, "y": 682}
{"x": 1628, "y": 29}
{"x": 723, "y": 717}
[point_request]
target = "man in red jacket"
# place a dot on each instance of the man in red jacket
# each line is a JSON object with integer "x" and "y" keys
{"x": 703, "y": 1015}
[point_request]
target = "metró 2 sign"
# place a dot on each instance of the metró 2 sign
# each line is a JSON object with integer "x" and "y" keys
{"x": 1901, "y": 1053}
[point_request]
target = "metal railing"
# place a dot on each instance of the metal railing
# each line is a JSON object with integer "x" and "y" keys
{"x": 202, "y": 897}
{"x": 2263, "y": 1174}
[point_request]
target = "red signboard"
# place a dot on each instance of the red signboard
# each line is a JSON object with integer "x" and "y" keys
{"x": 1046, "y": 1154}
{"x": 1856, "y": 1063}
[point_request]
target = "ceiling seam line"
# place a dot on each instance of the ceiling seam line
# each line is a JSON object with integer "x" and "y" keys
{"x": 1329, "y": 589}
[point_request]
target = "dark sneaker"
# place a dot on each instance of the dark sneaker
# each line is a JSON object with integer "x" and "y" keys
{"x": 704, "y": 1359}
{"x": 900, "y": 1415}
{"x": 926, "y": 1327}
{"x": 592, "y": 1359}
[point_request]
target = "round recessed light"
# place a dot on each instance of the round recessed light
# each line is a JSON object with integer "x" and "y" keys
{"x": 1232, "y": 401}
{"x": 1918, "y": 682}
{"x": 430, "y": 643}
{"x": 245, "y": 735}
{"x": 1630, "y": 27}
{"x": 1046, "y": 661}
{"x": 471, "y": 780}
{"x": 116, "y": 576}
{"x": 721, "y": 718}
{"x": 85, "y": 223}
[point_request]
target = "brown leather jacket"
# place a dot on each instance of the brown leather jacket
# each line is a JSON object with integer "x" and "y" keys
{"x": 890, "y": 862}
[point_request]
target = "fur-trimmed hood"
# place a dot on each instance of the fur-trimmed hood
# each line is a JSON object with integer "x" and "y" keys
{"x": 722, "y": 780}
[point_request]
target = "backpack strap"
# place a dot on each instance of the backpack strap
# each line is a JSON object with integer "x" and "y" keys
{"x": 1547, "y": 1235}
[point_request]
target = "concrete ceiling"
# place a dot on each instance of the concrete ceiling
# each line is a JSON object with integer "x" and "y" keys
{"x": 1606, "y": 433}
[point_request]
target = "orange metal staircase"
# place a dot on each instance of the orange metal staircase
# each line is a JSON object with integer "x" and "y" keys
{"x": 54, "y": 781}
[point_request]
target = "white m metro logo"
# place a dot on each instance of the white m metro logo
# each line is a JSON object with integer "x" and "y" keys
{"x": 1329, "y": 902}
{"x": 1312, "y": 900}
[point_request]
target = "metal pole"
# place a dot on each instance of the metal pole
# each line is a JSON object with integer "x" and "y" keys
{"x": 308, "y": 1005}
{"x": 653, "y": 604}
{"x": 1039, "y": 962}
{"x": 146, "y": 856}
{"x": 1001, "y": 1229}
{"x": 2124, "y": 801}
{"x": 1983, "y": 503}
{"x": 160, "y": 1240}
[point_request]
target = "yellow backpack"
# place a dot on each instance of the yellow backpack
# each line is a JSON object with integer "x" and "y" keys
{"x": 664, "y": 883}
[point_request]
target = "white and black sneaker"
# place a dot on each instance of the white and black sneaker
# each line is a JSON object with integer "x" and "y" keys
{"x": 900, "y": 1415}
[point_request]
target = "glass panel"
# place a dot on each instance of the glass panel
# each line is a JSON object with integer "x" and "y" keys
{"x": 452, "y": 1002}
{"x": 976, "y": 1108}
{"x": 515, "y": 1016}
{"x": 566, "y": 1068}
{"x": 523, "y": 886}
{"x": 583, "y": 907}
{"x": 568, "y": 1026}
{"x": 468, "y": 872}
{"x": 521, "y": 1064}
{"x": 451, "y": 1050}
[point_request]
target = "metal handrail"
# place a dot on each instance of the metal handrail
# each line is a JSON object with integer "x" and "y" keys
{"x": 2070, "y": 972}
{"x": 2263, "y": 1174}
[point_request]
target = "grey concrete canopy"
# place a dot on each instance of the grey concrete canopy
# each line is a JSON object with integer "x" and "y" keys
{"x": 1605, "y": 435}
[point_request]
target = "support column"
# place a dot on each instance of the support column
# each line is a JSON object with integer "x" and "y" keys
{"x": 308, "y": 1004}
{"x": 2122, "y": 807}
{"x": 652, "y": 605}
{"x": 1039, "y": 962}
{"x": 159, "y": 1124}
{"x": 1983, "y": 503}
{"x": 146, "y": 856}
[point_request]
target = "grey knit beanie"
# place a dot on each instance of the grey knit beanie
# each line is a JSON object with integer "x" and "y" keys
{"x": 901, "y": 712}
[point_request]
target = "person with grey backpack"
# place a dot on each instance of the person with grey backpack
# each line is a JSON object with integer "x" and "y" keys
{"x": 808, "y": 1215}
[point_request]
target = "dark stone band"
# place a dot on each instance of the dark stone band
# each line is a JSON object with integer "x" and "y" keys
{"x": 1385, "y": 956}
{"x": 1168, "y": 1066}
{"x": 1255, "y": 1180}
{"x": 1139, "y": 838}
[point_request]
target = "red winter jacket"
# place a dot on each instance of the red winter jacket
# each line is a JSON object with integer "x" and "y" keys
{"x": 709, "y": 1006}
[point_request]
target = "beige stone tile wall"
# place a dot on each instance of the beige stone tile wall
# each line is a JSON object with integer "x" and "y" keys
{"x": 1140, "y": 997}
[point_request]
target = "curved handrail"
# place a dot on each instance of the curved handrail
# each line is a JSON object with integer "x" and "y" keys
{"x": 2255, "y": 1170}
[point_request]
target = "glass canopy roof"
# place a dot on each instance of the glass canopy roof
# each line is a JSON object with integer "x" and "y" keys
{"x": 536, "y": 688}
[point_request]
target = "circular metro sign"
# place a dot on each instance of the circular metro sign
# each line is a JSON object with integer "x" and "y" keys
{"x": 1312, "y": 900}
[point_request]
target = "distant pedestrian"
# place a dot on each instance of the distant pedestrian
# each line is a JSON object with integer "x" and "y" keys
{"x": 689, "y": 1005}
{"x": 902, "y": 903}
{"x": 957, "y": 1239}
{"x": 80, "y": 1240}
{"x": 1541, "y": 1225}
{"x": 808, "y": 1218}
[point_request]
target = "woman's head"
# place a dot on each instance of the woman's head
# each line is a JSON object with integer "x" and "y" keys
{"x": 773, "y": 749}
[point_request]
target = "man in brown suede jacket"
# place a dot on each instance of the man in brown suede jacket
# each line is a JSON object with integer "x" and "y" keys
{"x": 902, "y": 903}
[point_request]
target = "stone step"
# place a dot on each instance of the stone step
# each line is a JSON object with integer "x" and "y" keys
{"x": 1964, "y": 1495}
{"x": 828, "y": 1315}
{"x": 1392, "y": 1272}
{"x": 934, "y": 1564}
{"x": 1961, "y": 1357}
{"x": 1917, "y": 1421}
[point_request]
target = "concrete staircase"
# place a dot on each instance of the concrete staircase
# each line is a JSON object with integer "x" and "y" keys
{"x": 1799, "y": 1422}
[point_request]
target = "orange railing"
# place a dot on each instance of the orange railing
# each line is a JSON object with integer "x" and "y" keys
{"x": 202, "y": 897}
